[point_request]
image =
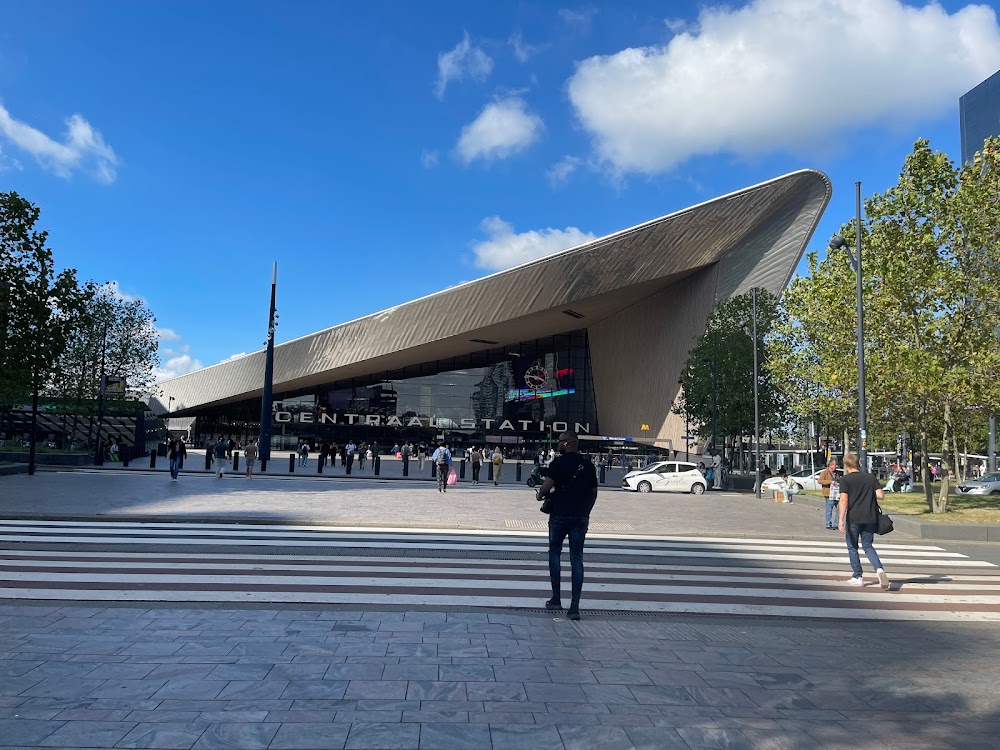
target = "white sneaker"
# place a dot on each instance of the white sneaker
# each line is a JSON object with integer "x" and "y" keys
{"x": 856, "y": 581}
{"x": 883, "y": 579}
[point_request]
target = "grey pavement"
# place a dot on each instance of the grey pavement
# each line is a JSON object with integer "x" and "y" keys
{"x": 118, "y": 493}
{"x": 178, "y": 677}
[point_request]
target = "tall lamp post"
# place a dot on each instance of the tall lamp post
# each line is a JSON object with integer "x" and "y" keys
{"x": 839, "y": 243}
{"x": 264, "y": 445}
{"x": 99, "y": 449}
{"x": 756, "y": 396}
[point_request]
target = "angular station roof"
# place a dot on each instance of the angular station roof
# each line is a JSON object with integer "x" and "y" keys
{"x": 755, "y": 235}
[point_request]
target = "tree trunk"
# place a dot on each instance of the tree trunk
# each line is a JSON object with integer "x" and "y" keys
{"x": 941, "y": 503}
{"x": 925, "y": 471}
{"x": 34, "y": 426}
{"x": 847, "y": 442}
{"x": 959, "y": 463}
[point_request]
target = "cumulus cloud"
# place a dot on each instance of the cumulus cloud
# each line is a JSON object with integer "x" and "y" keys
{"x": 503, "y": 128}
{"x": 81, "y": 148}
{"x": 167, "y": 334}
{"x": 560, "y": 172}
{"x": 114, "y": 289}
{"x": 429, "y": 159}
{"x": 505, "y": 248}
{"x": 179, "y": 363}
{"x": 235, "y": 356}
{"x": 461, "y": 62}
{"x": 522, "y": 50}
{"x": 780, "y": 74}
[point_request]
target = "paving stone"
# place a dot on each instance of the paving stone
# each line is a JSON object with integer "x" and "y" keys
{"x": 80, "y": 734}
{"x": 453, "y": 736}
{"x": 589, "y": 737}
{"x": 291, "y": 672}
{"x": 167, "y": 735}
{"x": 28, "y": 732}
{"x": 383, "y": 736}
{"x": 312, "y": 689}
{"x": 384, "y": 717}
{"x": 245, "y": 690}
{"x": 310, "y": 736}
{"x": 436, "y": 691}
{"x": 656, "y": 738}
{"x": 376, "y": 689}
{"x": 495, "y": 691}
{"x": 466, "y": 673}
{"x": 715, "y": 738}
{"x": 230, "y": 736}
{"x": 190, "y": 689}
{"x": 422, "y": 672}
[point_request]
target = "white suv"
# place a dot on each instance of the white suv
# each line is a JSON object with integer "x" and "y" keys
{"x": 666, "y": 476}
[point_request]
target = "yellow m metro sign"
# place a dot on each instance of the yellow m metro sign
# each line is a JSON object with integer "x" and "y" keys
{"x": 644, "y": 427}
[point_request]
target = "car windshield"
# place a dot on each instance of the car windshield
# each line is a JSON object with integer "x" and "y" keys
{"x": 991, "y": 478}
{"x": 802, "y": 474}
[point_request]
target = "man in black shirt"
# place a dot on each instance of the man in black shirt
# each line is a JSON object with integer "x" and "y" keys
{"x": 859, "y": 496}
{"x": 573, "y": 481}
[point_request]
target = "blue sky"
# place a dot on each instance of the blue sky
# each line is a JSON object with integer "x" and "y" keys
{"x": 382, "y": 151}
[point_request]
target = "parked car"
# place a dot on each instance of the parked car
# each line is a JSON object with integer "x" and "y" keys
{"x": 805, "y": 480}
{"x": 666, "y": 476}
{"x": 988, "y": 484}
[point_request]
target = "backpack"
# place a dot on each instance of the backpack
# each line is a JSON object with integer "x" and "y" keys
{"x": 496, "y": 459}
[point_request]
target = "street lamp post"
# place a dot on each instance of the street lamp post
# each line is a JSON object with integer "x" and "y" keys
{"x": 264, "y": 445}
{"x": 756, "y": 398}
{"x": 99, "y": 450}
{"x": 839, "y": 243}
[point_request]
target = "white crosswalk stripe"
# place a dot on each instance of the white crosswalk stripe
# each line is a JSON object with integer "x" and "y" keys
{"x": 190, "y": 562}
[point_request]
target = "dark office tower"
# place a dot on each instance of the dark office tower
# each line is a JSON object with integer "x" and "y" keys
{"x": 979, "y": 113}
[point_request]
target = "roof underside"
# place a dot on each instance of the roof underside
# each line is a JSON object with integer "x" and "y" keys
{"x": 756, "y": 235}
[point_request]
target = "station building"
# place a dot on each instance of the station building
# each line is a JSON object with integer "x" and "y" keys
{"x": 592, "y": 338}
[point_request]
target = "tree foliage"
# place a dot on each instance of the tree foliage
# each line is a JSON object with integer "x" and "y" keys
{"x": 931, "y": 303}
{"x": 727, "y": 348}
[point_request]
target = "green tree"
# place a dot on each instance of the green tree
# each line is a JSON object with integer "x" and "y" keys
{"x": 131, "y": 352}
{"x": 929, "y": 252}
{"x": 39, "y": 308}
{"x": 726, "y": 348}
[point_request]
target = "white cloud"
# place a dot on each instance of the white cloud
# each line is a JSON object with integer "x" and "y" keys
{"x": 503, "y": 128}
{"x": 175, "y": 366}
{"x": 429, "y": 159}
{"x": 504, "y": 248}
{"x": 676, "y": 25}
{"x": 113, "y": 289}
{"x": 580, "y": 19}
{"x": 560, "y": 172}
{"x": 522, "y": 50}
{"x": 81, "y": 148}
{"x": 461, "y": 62}
{"x": 167, "y": 334}
{"x": 780, "y": 74}
{"x": 235, "y": 356}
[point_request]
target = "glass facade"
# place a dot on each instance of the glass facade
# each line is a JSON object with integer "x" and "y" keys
{"x": 979, "y": 113}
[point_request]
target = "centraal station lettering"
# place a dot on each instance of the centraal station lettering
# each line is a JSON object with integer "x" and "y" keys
{"x": 376, "y": 420}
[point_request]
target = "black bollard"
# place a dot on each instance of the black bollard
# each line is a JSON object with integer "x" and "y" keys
{"x": 350, "y": 463}
{"x": 603, "y": 468}
{"x": 263, "y": 465}
{"x": 489, "y": 475}
{"x": 519, "y": 470}
{"x": 406, "y": 468}
{"x": 208, "y": 459}
{"x": 152, "y": 458}
{"x": 126, "y": 455}
{"x": 434, "y": 470}
{"x": 319, "y": 464}
{"x": 291, "y": 463}
{"x": 236, "y": 460}
{"x": 461, "y": 470}
{"x": 377, "y": 465}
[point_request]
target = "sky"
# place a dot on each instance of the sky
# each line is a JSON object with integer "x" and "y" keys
{"x": 387, "y": 150}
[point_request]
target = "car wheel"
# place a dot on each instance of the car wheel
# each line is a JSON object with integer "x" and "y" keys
{"x": 645, "y": 487}
{"x": 697, "y": 488}
{"x": 995, "y": 492}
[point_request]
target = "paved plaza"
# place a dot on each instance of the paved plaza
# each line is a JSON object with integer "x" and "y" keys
{"x": 310, "y": 613}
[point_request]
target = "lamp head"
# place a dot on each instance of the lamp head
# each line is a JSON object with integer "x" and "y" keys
{"x": 837, "y": 242}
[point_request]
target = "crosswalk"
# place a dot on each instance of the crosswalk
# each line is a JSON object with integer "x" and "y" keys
{"x": 289, "y": 564}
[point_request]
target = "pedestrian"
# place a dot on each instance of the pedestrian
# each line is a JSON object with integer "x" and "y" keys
{"x": 831, "y": 493}
{"x": 343, "y": 456}
{"x": 177, "y": 454}
{"x": 362, "y": 453}
{"x": 395, "y": 448}
{"x": 421, "y": 454}
{"x": 251, "y": 457}
{"x": 717, "y": 471}
{"x": 572, "y": 480}
{"x": 304, "y": 454}
{"x": 477, "y": 463}
{"x": 442, "y": 459}
{"x": 404, "y": 454}
{"x": 497, "y": 459}
{"x": 220, "y": 458}
{"x": 859, "y": 496}
{"x": 230, "y": 447}
{"x": 349, "y": 454}
{"x": 333, "y": 454}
